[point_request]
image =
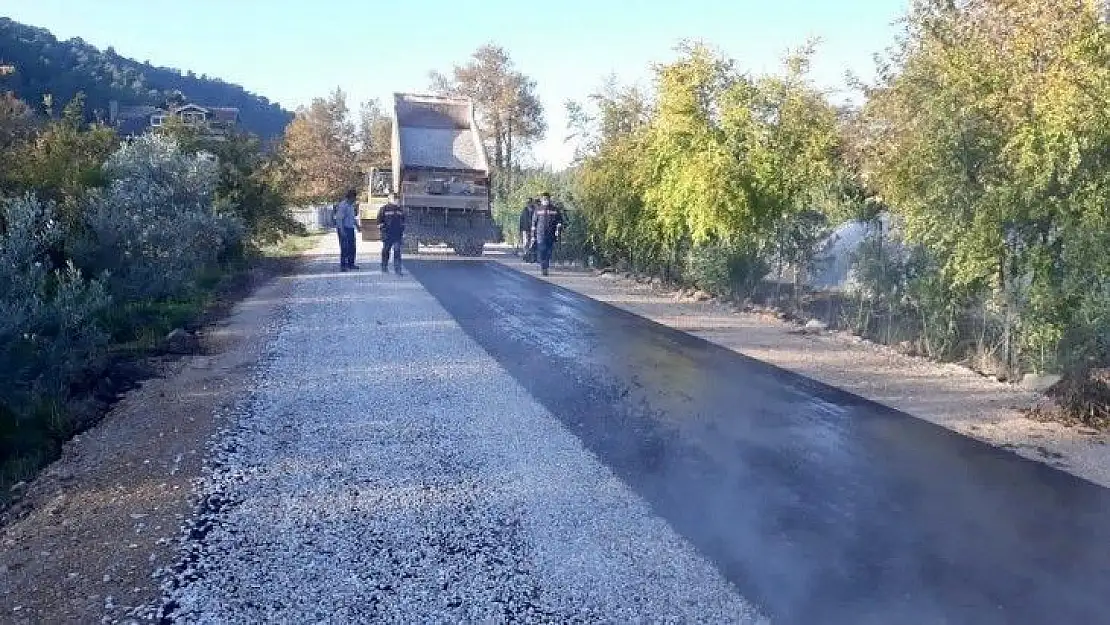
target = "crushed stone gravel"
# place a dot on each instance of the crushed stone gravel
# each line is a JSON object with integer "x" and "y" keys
{"x": 384, "y": 468}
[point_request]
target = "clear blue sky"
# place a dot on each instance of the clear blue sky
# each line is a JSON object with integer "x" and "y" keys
{"x": 294, "y": 50}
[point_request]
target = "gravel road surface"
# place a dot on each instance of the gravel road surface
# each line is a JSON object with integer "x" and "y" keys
{"x": 383, "y": 467}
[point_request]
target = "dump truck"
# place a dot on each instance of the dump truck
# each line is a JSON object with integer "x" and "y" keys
{"x": 440, "y": 173}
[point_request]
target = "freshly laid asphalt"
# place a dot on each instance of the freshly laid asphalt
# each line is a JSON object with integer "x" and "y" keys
{"x": 819, "y": 505}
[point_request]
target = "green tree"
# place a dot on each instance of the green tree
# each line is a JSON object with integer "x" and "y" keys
{"x": 718, "y": 161}
{"x": 61, "y": 162}
{"x": 990, "y": 140}
{"x": 799, "y": 164}
{"x": 693, "y": 172}
{"x": 610, "y": 177}
{"x": 375, "y": 136}
{"x": 17, "y": 121}
{"x": 509, "y": 111}
{"x": 253, "y": 184}
{"x": 609, "y": 114}
{"x": 318, "y": 150}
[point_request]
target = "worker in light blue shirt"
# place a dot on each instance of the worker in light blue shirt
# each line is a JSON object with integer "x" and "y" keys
{"x": 346, "y": 222}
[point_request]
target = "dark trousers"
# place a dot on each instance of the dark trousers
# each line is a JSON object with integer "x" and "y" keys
{"x": 544, "y": 248}
{"x": 394, "y": 243}
{"x": 346, "y": 247}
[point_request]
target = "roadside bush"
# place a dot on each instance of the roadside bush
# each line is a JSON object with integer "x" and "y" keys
{"x": 48, "y": 333}
{"x": 507, "y": 217}
{"x": 905, "y": 298}
{"x": 573, "y": 244}
{"x": 116, "y": 246}
{"x": 1087, "y": 343}
{"x": 154, "y": 229}
{"x": 251, "y": 185}
{"x": 725, "y": 269}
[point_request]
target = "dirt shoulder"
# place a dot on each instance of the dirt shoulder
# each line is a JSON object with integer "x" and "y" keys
{"x": 84, "y": 541}
{"x": 948, "y": 395}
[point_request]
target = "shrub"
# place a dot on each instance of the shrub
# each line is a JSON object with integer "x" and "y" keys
{"x": 155, "y": 229}
{"x": 573, "y": 245}
{"x": 725, "y": 268}
{"x": 48, "y": 334}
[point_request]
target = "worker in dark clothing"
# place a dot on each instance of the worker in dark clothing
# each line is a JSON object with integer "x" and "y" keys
{"x": 391, "y": 221}
{"x": 547, "y": 225}
{"x": 525, "y": 225}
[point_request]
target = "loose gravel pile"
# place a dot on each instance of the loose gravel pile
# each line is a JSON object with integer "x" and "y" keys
{"x": 384, "y": 468}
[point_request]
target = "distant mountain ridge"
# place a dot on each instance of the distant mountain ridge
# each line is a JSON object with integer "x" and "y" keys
{"x": 44, "y": 65}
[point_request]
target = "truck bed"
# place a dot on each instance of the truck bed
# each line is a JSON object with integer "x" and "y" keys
{"x": 439, "y": 148}
{"x": 436, "y": 133}
{"x": 441, "y": 172}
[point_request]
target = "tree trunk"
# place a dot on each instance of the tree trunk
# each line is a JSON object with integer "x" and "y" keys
{"x": 498, "y": 147}
{"x": 1007, "y": 306}
{"x": 797, "y": 285}
{"x": 509, "y": 156}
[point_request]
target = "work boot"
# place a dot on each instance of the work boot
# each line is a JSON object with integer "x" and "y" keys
{"x": 355, "y": 267}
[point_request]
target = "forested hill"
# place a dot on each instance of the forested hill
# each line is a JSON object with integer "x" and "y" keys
{"x": 44, "y": 65}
